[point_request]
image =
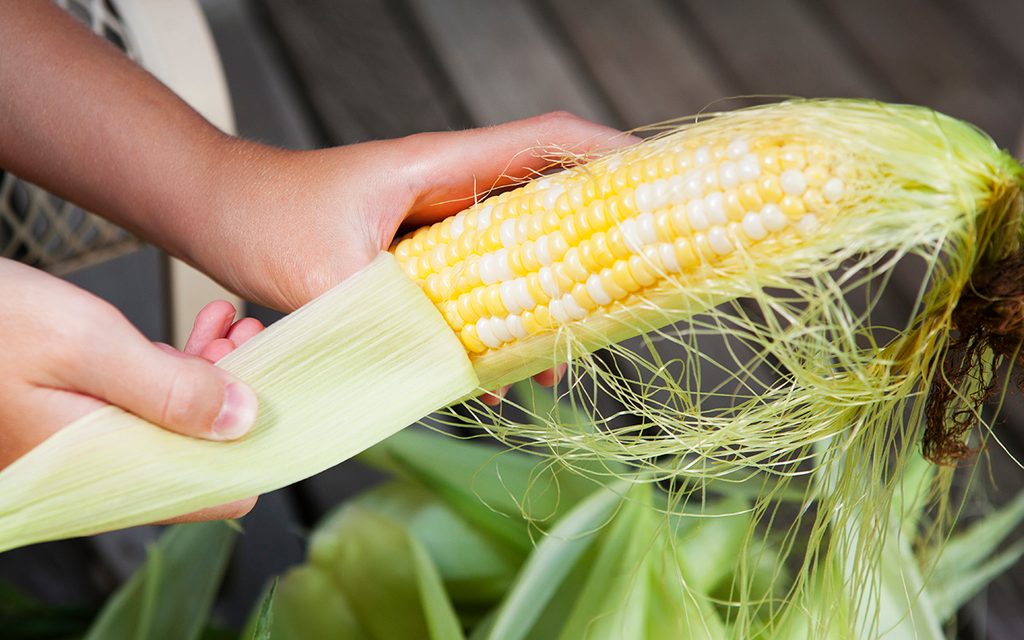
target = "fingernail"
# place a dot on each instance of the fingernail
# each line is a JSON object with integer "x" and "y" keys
{"x": 237, "y": 414}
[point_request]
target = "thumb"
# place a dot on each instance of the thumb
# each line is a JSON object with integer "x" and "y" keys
{"x": 181, "y": 393}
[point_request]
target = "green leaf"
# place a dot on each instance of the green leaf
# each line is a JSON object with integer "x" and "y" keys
{"x": 711, "y": 542}
{"x": 970, "y": 549}
{"x": 170, "y": 596}
{"x": 496, "y": 490}
{"x": 476, "y": 569}
{"x": 309, "y": 604}
{"x": 554, "y": 559}
{"x": 386, "y": 576}
{"x": 265, "y": 618}
{"x": 947, "y": 597}
{"x": 675, "y": 610}
{"x": 613, "y": 600}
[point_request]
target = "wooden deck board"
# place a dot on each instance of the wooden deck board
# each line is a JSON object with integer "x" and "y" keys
{"x": 503, "y": 61}
{"x": 664, "y": 74}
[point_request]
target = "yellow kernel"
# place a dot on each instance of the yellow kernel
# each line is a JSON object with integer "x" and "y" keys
{"x": 792, "y": 157}
{"x": 402, "y": 250}
{"x": 583, "y": 224}
{"x": 471, "y": 339}
{"x": 816, "y": 175}
{"x": 680, "y": 221}
{"x": 451, "y": 253}
{"x": 551, "y": 221}
{"x": 529, "y": 257}
{"x": 542, "y": 316}
{"x": 524, "y": 206}
{"x": 617, "y": 243}
{"x": 409, "y": 266}
{"x": 750, "y": 199}
{"x": 582, "y": 297}
{"x": 562, "y": 205}
{"x": 569, "y": 230}
{"x": 719, "y": 153}
{"x": 629, "y": 202}
{"x": 597, "y": 216}
{"x": 606, "y": 185}
{"x": 770, "y": 161}
{"x": 610, "y": 286}
{"x": 590, "y": 190}
{"x": 574, "y": 266}
{"x": 663, "y": 225}
{"x": 620, "y": 180}
{"x": 635, "y": 171}
{"x": 652, "y": 168}
{"x": 588, "y": 257}
{"x": 537, "y": 201}
{"x": 530, "y": 322}
{"x": 492, "y": 298}
{"x": 623, "y": 278}
{"x": 602, "y": 252}
{"x": 416, "y": 245}
{"x": 451, "y": 315}
{"x": 813, "y": 200}
{"x": 685, "y": 255}
{"x": 562, "y": 278}
{"x": 536, "y": 291}
{"x": 478, "y": 303}
{"x": 617, "y": 210}
{"x": 641, "y": 271}
{"x": 668, "y": 166}
{"x": 491, "y": 239}
{"x": 471, "y": 272}
{"x": 431, "y": 286}
{"x": 733, "y": 209}
{"x": 557, "y": 245}
{"x": 577, "y": 198}
{"x": 702, "y": 247}
{"x": 792, "y": 206}
{"x": 770, "y": 189}
{"x": 515, "y": 262}
{"x": 423, "y": 268}
{"x": 535, "y": 227}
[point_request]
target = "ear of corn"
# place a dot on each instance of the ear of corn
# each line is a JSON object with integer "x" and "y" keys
{"x": 775, "y": 196}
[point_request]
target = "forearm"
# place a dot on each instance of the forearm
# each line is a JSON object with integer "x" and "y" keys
{"x": 82, "y": 120}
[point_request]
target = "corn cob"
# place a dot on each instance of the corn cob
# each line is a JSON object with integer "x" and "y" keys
{"x": 777, "y": 196}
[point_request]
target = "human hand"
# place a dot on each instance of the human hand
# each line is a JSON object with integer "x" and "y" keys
{"x": 65, "y": 353}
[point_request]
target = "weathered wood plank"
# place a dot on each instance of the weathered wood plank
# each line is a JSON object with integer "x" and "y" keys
{"x": 503, "y": 62}
{"x": 361, "y": 70}
{"x": 782, "y": 51}
{"x": 650, "y": 66}
{"x": 931, "y": 61}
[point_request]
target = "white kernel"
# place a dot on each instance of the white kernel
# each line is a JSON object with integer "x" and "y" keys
{"x": 644, "y": 197}
{"x": 488, "y": 272}
{"x": 502, "y": 269}
{"x": 573, "y": 308}
{"x": 833, "y": 189}
{"x": 695, "y": 214}
{"x": 500, "y": 329}
{"x": 750, "y": 167}
{"x": 807, "y": 224}
{"x": 558, "y": 311}
{"x": 631, "y": 234}
{"x": 694, "y": 187}
{"x": 596, "y": 290}
{"x": 543, "y": 251}
{"x": 516, "y": 327}
{"x": 548, "y": 282}
{"x": 737, "y": 147}
{"x": 457, "y": 227}
{"x": 729, "y": 175}
{"x": 551, "y": 197}
{"x": 753, "y": 227}
{"x": 668, "y": 257}
{"x": 483, "y": 329}
{"x": 508, "y": 297}
{"x": 661, "y": 193}
{"x": 676, "y": 189}
{"x": 773, "y": 218}
{"x": 719, "y": 241}
{"x": 710, "y": 179}
{"x": 483, "y": 218}
{"x": 614, "y": 163}
{"x": 714, "y": 208}
{"x": 647, "y": 231}
{"x": 793, "y": 182}
{"x": 702, "y": 156}
{"x": 522, "y": 294}
{"x": 507, "y": 231}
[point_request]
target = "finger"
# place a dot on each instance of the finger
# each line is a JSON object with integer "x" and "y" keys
{"x": 243, "y": 330}
{"x": 494, "y": 398}
{"x": 459, "y": 165}
{"x": 228, "y": 511}
{"x": 180, "y": 393}
{"x": 212, "y": 322}
{"x": 217, "y": 349}
{"x": 551, "y": 377}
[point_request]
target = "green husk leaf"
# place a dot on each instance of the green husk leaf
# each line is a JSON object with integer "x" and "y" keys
{"x": 973, "y": 547}
{"x": 476, "y": 569}
{"x": 310, "y": 604}
{"x": 170, "y": 596}
{"x": 552, "y": 562}
{"x": 262, "y": 623}
{"x": 333, "y": 378}
{"x": 948, "y": 596}
{"x": 386, "y": 576}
